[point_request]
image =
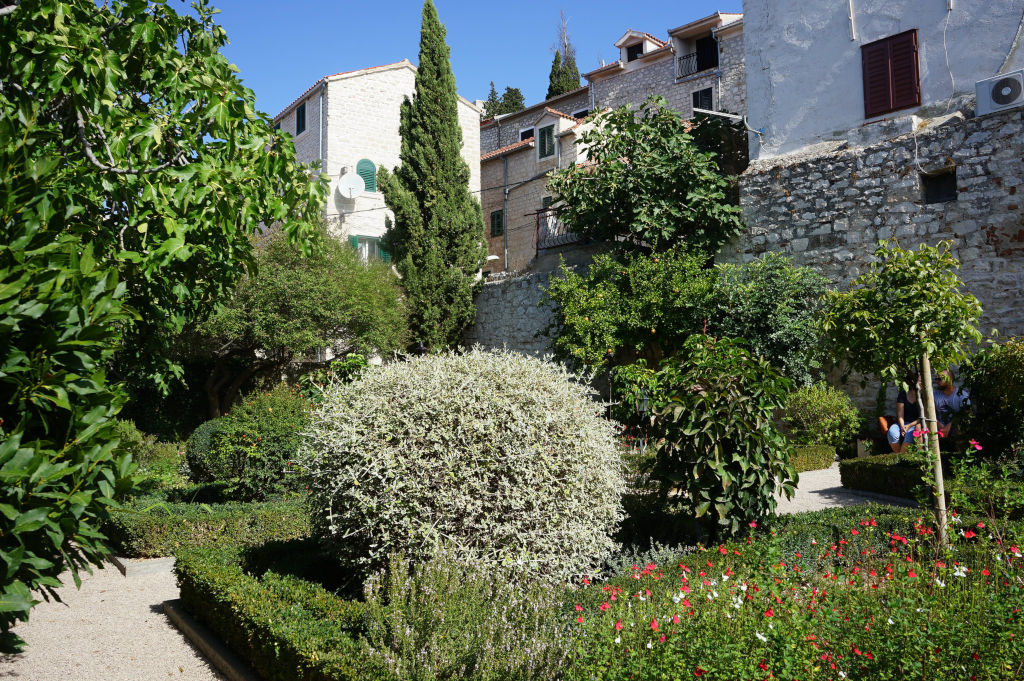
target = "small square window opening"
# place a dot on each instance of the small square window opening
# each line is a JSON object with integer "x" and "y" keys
{"x": 634, "y": 51}
{"x": 939, "y": 187}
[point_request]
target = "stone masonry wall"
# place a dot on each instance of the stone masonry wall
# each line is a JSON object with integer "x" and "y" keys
{"x": 830, "y": 209}
{"x": 508, "y": 315}
{"x": 505, "y": 131}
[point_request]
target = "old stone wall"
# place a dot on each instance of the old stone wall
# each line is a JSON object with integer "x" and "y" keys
{"x": 505, "y": 131}
{"x": 508, "y": 315}
{"x": 829, "y": 209}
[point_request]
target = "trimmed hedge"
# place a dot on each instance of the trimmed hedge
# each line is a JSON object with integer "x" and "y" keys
{"x": 812, "y": 457}
{"x": 286, "y": 628}
{"x": 893, "y": 474}
{"x": 149, "y": 528}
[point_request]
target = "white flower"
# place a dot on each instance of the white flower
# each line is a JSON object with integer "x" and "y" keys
{"x": 890, "y": 621}
{"x": 941, "y": 584}
{"x": 764, "y": 639}
{"x": 677, "y": 598}
{"x": 743, "y": 587}
{"x": 649, "y": 645}
{"x": 960, "y": 571}
{"x": 725, "y": 577}
{"x": 618, "y": 639}
{"x": 842, "y": 675}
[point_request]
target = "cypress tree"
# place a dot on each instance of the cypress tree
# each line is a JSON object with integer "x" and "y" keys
{"x": 512, "y": 100}
{"x": 437, "y": 237}
{"x": 555, "y": 77}
{"x": 493, "y": 105}
{"x": 570, "y": 73}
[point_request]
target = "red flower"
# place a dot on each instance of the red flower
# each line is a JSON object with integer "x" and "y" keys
{"x": 985, "y": 572}
{"x": 721, "y": 550}
{"x": 675, "y": 619}
{"x": 579, "y": 607}
{"x": 854, "y": 532}
{"x": 654, "y": 624}
{"x": 753, "y": 524}
{"x": 604, "y": 606}
{"x": 662, "y": 639}
{"x": 769, "y": 613}
{"x": 911, "y": 574}
{"x": 974, "y": 443}
{"x": 618, "y": 625}
{"x": 580, "y": 619}
{"x": 981, "y": 526}
{"x": 969, "y": 534}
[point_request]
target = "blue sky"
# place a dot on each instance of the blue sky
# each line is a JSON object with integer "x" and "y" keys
{"x": 284, "y": 47}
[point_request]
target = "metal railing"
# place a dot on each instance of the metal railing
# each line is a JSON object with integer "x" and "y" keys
{"x": 686, "y": 65}
{"x": 551, "y": 233}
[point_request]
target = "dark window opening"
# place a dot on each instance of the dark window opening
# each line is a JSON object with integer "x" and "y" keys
{"x": 634, "y": 51}
{"x": 545, "y": 202}
{"x": 300, "y": 119}
{"x": 939, "y": 187}
{"x": 892, "y": 77}
{"x": 497, "y": 223}
{"x": 702, "y": 99}
{"x": 707, "y": 53}
{"x": 582, "y": 113}
{"x": 525, "y": 135}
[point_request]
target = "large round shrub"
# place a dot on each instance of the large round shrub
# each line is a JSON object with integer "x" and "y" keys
{"x": 819, "y": 414}
{"x": 501, "y": 458}
{"x": 995, "y": 382}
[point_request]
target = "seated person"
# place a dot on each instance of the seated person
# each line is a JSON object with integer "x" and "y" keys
{"x": 908, "y": 416}
{"x": 949, "y": 401}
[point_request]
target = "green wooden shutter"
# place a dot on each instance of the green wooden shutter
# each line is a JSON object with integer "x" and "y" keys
{"x": 366, "y": 170}
{"x": 497, "y": 223}
{"x": 545, "y": 202}
{"x": 353, "y": 241}
{"x": 384, "y": 255}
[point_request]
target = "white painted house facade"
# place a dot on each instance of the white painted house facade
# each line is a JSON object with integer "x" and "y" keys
{"x": 349, "y": 122}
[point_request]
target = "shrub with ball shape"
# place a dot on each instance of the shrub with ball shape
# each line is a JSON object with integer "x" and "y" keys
{"x": 504, "y": 459}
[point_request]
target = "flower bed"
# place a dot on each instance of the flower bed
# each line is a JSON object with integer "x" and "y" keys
{"x": 853, "y": 593}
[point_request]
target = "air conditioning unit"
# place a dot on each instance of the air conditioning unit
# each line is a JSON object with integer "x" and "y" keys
{"x": 1001, "y": 92}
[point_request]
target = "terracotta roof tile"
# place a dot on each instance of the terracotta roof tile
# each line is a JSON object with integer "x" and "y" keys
{"x": 559, "y": 113}
{"x": 511, "y": 147}
{"x": 660, "y": 42}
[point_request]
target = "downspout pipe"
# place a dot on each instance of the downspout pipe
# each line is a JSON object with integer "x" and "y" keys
{"x": 320, "y": 141}
{"x": 718, "y": 71}
{"x": 504, "y": 205}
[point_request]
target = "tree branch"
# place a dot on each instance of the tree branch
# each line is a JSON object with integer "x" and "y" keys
{"x": 87, "y": 148}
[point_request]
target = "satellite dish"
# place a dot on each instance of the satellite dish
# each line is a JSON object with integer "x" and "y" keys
{"x": 351, "y": 185}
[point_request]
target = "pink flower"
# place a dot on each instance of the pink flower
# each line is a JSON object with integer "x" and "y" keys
{"x": 854, "y": 532}
{"x": 721, "y": 550}
{"x": 662, "y": 639}
{"x": 675, "y": 619}
{"x": 580, "y": 619}
{"x": 974, "y": 443}
{"x": 654, "y": 624}
{"x": 579, "y": 607}
{"x": 604, "y": 606}
{"x": 618, "y": 625}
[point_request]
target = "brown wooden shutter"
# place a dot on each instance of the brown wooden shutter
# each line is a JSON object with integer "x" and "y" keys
{"x": 877, "y": 78}
{"x": 906, "y": 79}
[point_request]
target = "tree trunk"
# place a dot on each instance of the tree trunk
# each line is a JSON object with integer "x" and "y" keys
{"x": 214, "y": 382}
{"x": 932, "y": 424}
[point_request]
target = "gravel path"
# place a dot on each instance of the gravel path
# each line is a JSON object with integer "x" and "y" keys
{"x": 822, "y": 489}
{"x": 112, "y": 629}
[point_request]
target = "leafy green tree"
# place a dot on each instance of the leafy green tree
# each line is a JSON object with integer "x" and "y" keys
{"x": 909, "y": 309}
{"x": 295, "y": 304}
{"x": 437, "y": 237}
{"x": 134, "y": 168}
{"x": 645, "y": 180}
{"x": 555, "y": 76}
{"x": 492, "y": 107}
{"x": 715, "y": 436}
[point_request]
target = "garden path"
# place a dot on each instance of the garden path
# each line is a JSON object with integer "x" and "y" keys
{"x": 823, "y": 489}
{"x": 112, "y": 628}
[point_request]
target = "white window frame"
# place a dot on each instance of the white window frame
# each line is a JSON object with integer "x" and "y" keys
{"x": 579, "y": 111}
{"x": 532, "y": 129}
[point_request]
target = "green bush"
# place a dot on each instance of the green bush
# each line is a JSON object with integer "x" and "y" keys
{"x": 151, "y": 527}
{"x": 716, "y": 438}
{"x": 283, "y": 626}
{"x": 505, "y": 456}
{"x": 893, "y": 474}
{"x": 995, "y": 382}
{"x": 812, "y": 457}
{"x": 159, "y": 463}
{"x": 821, "y": 414}
{"x": 254, "y": 446}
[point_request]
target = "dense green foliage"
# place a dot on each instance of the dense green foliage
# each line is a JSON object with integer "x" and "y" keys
{"x": 775, "y": 306}
{"x": 504, "y": 457}
{"x": 994, "y": 379}
{"x": 635, "y": 305}
{"x": 134, "y": 170}
{"x": 897, "y": 475}
{"x": 865, "y": 589}
{"x": 564, "y": 76}
{"x": 812, "y": 457}
{"x": 438, "y": 233}
{"x": 629, "y": 306}
{"x": 645, "y": 180}
{"x": 510, "y": 101}
{"x": 296, "y": 304}
{"x": 821, "y": 414}
{"x": 906, "y": 304}
{"x": 716, "y": 438}
{"x": 149, "y": 527}
{"x": 254, "y": 447}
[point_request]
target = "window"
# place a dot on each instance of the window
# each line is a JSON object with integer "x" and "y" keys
{"x": 300, "y": 119}
{"x": 525, "y": 134}
{"x": 368, "y": 248}
{"x": 892, "y": 78}
{"x": 582, "y": 113}
{"x": 277, "y": 126}
{"x": 545, "y": 203}
{"x": 547, "y": 142}
{"x": 634, "y": 51}
{"x": 702, "y": 99}
{"x": 707, "y": 53}
{"x": 939, "y": 187}
{"x": 497, "y": 223}
{"x": 366, "y": 170}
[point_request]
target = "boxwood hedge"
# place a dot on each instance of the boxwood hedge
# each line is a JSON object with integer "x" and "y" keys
{"x": 893, "y": 474}
{"x": 812, "y": 457}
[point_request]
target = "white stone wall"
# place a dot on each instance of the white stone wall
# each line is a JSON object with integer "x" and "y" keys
{"x": 804, "y": 76}
{"x": 361, "y": 121}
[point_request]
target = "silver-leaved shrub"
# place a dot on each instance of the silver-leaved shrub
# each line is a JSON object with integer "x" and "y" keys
{"x": 504, "y": 459}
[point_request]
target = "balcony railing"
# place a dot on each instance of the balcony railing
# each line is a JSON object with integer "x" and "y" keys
{"x": 551, "y": 233}
{"x": 686, "y": 65}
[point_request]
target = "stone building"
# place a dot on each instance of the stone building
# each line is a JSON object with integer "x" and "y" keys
{"x": 349, "y": 122}
{"x": 700, "y": 64}
{"x": 885, "y": 121}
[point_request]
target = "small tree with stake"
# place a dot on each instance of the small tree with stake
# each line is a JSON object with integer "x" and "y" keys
{"x": 908, "y": 309}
